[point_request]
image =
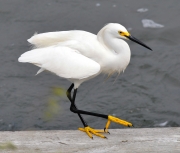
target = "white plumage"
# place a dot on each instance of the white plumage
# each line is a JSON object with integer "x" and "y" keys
{"x": 79, "y": 55}
{"x": 60, "y": 60}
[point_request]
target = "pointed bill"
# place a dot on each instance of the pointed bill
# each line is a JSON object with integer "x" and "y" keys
{"x": 138, "y": 41}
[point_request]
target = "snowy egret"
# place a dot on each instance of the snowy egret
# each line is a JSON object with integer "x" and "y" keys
{"x": 79, "y": 56}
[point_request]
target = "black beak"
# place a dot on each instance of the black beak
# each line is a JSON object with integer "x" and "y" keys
{"x": 137, "y": 41}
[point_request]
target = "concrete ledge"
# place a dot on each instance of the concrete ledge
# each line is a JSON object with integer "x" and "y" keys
{"x": 130, "y": 140}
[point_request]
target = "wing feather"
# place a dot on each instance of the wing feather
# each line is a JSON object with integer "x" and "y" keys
{"x": 54, "y": 38}
{"x": 63, "y": 61}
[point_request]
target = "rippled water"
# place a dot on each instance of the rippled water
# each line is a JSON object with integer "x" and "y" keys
{"x": 147, "y": 94}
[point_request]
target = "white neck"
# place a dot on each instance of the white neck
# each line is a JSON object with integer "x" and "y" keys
{"x": 119, "y": 52}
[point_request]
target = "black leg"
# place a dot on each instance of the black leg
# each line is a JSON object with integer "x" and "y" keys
{"x": 68, "y": 93}
{"x": 74, "y": 109}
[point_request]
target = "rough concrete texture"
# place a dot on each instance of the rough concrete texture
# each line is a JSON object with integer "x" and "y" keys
{"x": 143, "y": 140}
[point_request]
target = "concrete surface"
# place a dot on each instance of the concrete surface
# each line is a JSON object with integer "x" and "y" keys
{"x": 120, "y": 140}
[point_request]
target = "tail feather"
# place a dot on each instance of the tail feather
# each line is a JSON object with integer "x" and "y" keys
{"x": 40, "y": 70}
{"x": 31, "y": 57}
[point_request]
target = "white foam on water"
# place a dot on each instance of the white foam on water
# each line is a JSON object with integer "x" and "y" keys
{"x": 162, "y": 124}
{"x": 151, "y": 24}
{"x": 141, "y": 10}
{"x": 98, "y": 4}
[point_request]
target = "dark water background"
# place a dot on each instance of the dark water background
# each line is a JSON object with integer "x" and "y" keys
{"x": 147, "y": 94}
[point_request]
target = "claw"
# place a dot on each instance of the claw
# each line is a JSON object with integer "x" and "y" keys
{"x": 90, "y": 130}
{"x": 106, "y": 130}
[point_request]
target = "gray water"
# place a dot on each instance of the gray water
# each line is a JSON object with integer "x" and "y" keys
{"x": 147, "y": 94}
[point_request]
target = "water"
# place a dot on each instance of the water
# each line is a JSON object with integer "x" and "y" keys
{"x": 147, "y": 94}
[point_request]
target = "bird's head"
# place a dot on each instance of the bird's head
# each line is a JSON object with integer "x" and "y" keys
{"x": 119, "y": 31}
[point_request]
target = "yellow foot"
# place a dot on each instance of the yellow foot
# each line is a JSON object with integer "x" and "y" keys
{"x": 89, "y": 131}
{"x": 116, "y": 120}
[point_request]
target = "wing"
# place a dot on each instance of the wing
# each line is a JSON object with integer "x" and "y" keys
{"x": 53, "y": 38}
{"x": 63, "y": 61}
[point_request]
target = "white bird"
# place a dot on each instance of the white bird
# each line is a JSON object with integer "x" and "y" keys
{"x": 79, "y": 56}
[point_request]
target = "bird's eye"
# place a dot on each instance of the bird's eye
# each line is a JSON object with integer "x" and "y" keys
{"x": 120, "y": 32}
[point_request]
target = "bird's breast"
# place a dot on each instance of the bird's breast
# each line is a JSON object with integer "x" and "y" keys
{"x": 115, "y": 61}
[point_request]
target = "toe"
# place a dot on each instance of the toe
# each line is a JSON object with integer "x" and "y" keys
{"x": 82, "y": 129}
{"x": 99, "y": 131}
{"x": 87, "y": 130}
{"x": 106, "y": 130}
{"x": 97, "y": 134}
{"x": 119, "y": 121}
